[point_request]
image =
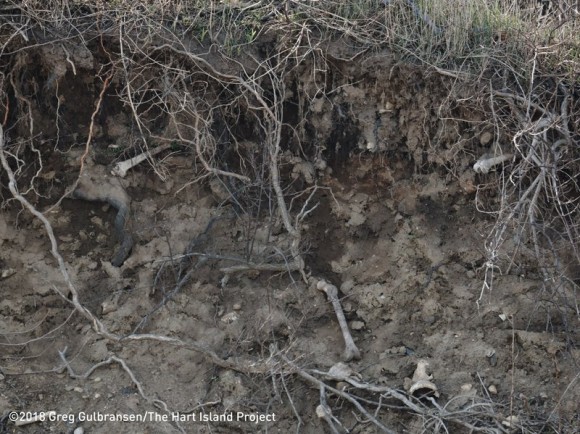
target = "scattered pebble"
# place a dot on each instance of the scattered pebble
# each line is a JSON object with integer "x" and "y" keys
{"x": 230, "y": 317}
{"x": 347, "y": 285}
{"x": 7, "y": 272}
{"x": 466, "y": 387}
{"x": 511, "y": 421}
{"x": 357, "y": 325}
{"x": 492, "y": 389}
{"x": 237, "y": 306}
{"x": 485, "y": 138}
{"x": 109, "y": 306}
{"x": 78, "y": 389}
{"x": 491, "y": 357}
{"x": 79, "y": 430}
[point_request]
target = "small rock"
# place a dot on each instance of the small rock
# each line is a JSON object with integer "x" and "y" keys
{"x": 97, "y": 221}
{"x": 356, "y": 219}
{"x": 78, "y": 389}
{"x": 7, "y": 272}
{"x": 347, "y": 285}
{"x": 465, "y": 388}
{"x": 485, "y": 138}
{"x": 230, "y": 317}
{"x": 109, "y": 306}
{"x": 491, "y": 357}
{"x": 237, "y": 306}
{"x": 357, "y": 325}
{"x": 511, "y": 422}
{"x": 407, "y": 205}
{"x": 492, "y": 389}
{"x": 79, "y": 430}
{"x": 320, "y": 164}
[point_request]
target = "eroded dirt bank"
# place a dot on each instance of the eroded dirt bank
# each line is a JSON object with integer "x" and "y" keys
{"x": 377, "y": 155}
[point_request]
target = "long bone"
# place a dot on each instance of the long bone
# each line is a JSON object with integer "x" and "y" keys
{"x": 487, "y": 162}
{"x": 351, "y": 351}
{"x": 122, "y": 167}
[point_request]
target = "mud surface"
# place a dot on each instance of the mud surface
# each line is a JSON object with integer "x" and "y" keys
{"x": 396, "y": 229}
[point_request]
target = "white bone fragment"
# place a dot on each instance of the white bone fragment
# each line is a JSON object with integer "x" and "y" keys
{"x": 121, "y": 168}
{"x": 351, "y": 352}
{"x": 421, "y": 383}
{"x": 486, "y": 162}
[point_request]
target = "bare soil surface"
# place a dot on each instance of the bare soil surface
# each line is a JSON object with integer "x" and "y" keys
{"x": 396, "y": 229}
